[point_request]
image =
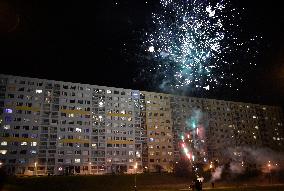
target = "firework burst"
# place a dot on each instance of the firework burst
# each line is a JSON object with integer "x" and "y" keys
{"x": 194, "y": 44}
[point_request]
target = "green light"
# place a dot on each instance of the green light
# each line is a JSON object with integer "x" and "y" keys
{"x": 193, "y": 125}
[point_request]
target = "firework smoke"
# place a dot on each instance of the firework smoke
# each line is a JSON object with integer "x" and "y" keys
{"x": 216, "y": 175}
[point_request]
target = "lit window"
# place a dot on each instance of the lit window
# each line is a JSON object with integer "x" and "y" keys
{"x": 101, "y": 104}
{"x": 108, "y": 91}
{"x": 3, "y": 152}
{"x": 3, "y": 143}
{"x": 38, "y": 91}
{"x": 6, "y": 126}
{"x": 151, "y": 139}
{"x": 254, "y": 137}
{"x": 24, "y": 143}
{"x": 254, "y": 117}
{"x": 71, "y": 115}
{"x": 7, "y": 110}
{"x": 108, "y": 160}
{"x": 33, "y": 151}
{"x": 77, "y": 160}
{"x": 138, "y": 154}
{"x": 256, "y": 127}
{"x": 33, "y": 144}
{"x": 94, "y": 145}
{"x": 78, "y": 129}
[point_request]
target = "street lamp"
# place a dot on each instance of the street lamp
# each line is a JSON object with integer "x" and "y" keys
{"x": 35, "y": 168}
{"x": 90, "y": 166}
{"x": 269, "y": 168}
{"x": 135, "y": 168}
{"x": 146, "y": 168}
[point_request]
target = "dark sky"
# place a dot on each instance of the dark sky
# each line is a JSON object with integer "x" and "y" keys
{"x": 86, "y": 42}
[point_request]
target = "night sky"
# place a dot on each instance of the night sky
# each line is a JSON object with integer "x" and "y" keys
{"x": 97, "y": 43}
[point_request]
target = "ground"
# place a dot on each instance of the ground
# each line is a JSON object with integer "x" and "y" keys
{"x": 145, "y": 182}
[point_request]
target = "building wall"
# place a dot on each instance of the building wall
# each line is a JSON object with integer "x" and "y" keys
{"x": 159, "y": 132}
{"x": 229, "y": 126}
{"x": 63, "y": 127}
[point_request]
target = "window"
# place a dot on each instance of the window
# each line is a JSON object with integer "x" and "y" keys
{"x": 3, "y": 152}
{"x": 35, "y": 128}
{"x": 21, "y": 89}
{"x": 6, "y": 127}
{"x": 38, "y": 91}
{"x": 60, "y": 160}
{"x": 94, "y": 145}
{"x": 26, "y": 127}
{"x": 24, "y": 143}
{"x": 23, "y": 152}
{"x": 7, "y": 110}
{"x": 17, "y": 127}
{"x": 30, "y": 83}
{"x": 4, "y": 143}
{"x": 10, "y": 95}
{"x": 78, "y": 130}
{"x": 77, "y": 160}
{"x": 109, "y": 145}
{"x": 33, "y": 144}
{"x": 8, "y": 119}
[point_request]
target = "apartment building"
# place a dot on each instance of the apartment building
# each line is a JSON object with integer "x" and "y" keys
{"x": 61, "y": 128}
{"x": 55, "y": 127}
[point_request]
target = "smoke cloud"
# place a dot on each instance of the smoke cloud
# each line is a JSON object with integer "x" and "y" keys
{"x": 216, "y": 175}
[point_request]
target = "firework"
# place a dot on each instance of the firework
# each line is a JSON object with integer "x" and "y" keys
{"x": 194, "y": 44}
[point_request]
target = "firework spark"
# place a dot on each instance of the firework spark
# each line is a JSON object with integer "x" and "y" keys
{"x": 192, "y": 44}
